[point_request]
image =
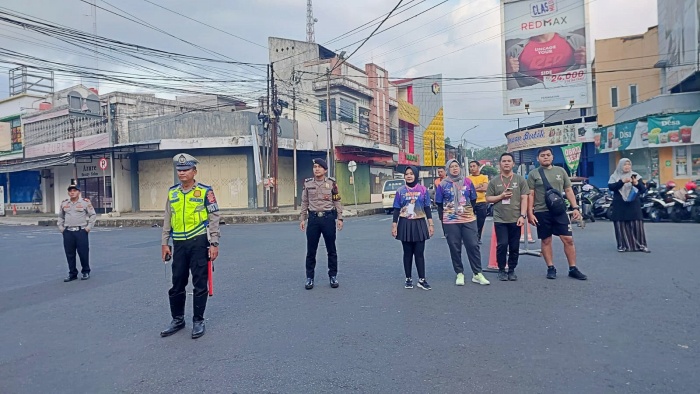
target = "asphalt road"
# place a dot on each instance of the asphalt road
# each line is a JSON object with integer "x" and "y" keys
{"x": 633, "y": 327}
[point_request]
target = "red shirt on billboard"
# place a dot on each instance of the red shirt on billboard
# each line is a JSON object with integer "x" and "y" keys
{"x": 546, "y": 54}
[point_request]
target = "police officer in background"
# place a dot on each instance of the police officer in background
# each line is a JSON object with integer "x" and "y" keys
{"x": 75, "y": 220}
{"x": 320, "y": 203}
{"x": 191, "y": 209}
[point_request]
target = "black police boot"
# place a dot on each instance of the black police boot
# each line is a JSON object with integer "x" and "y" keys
{"x": 309, "y": 284}
{"x": 198, "y": 329}
{"x": 85, "y": 276}
{"x": 70, "y": 278}
{"x": 176, "y": 325}
{"x": 334, "y": 282}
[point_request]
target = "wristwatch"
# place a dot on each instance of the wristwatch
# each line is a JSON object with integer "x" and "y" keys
{"x": 523, "y": 216}
{"x": 576, "y": 208}
{"x": 214, "y": 244}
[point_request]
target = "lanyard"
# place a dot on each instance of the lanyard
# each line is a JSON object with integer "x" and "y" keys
{"x": 509, "y": 182}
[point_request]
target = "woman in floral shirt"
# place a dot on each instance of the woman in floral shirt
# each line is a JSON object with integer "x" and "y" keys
{"x": 411, "y": 210}
{"x": 455, "y": 197}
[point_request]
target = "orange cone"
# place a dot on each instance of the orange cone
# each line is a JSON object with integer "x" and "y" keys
{"x": 14, "y": 209}
{"x": 529, "y": 233}
{"x": 493, "y": 262}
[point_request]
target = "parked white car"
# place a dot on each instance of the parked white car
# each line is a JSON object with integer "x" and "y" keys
{"x": 389, "y": 192}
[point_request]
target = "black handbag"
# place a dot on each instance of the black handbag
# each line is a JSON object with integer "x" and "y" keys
{"x": 552, "y": 197}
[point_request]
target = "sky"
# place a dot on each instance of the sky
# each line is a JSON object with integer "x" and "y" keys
{"x": 463, "y": 36}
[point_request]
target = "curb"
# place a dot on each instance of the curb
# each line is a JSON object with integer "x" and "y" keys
{"x": 227, "y": 219}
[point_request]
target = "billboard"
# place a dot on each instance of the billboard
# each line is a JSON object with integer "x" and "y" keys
{"x": 678, "y": 38}
{"x": 546, "y": 58}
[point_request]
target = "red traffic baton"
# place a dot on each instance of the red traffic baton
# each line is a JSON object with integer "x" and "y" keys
{"x": 211, "y": 278}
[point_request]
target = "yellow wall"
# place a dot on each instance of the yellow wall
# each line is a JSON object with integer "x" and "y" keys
{"x": 635, "y": 53}
{"x": 435, "y": 128}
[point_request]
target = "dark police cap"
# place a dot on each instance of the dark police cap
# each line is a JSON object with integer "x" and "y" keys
{"x": 321, "y": 163}
{"x": 73, "y": 186}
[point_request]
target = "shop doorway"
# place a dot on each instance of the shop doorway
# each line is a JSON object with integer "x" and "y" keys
{"x": 94, "y": 190}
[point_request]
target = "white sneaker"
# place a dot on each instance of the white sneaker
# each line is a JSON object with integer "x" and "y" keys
{"x": 480, "y": 279}
{"x": 460, "y": 280}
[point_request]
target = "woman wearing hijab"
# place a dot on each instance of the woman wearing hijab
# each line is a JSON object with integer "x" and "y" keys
{"x": 627, "y": 208}
{"x": 411, "y": 209}
{"x": 455, "y": 197}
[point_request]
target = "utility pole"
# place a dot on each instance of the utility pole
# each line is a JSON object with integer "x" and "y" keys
{"x": 296, "y": 131}
{"x": 274, "y": 118}
{"x": 75, "y": 162}
{"x": 330, "y": 154}
{"x": 434, "y": 155}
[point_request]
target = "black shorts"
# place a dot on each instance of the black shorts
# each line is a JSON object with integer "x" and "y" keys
{"x": 552, "y": 225}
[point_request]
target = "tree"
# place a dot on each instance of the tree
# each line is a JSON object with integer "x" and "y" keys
{"x": 490, "y": 153}
{"x": 489, "y": 171}
{"x": 447, "y": 141}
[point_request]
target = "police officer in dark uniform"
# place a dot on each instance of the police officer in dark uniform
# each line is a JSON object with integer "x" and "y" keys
{"x": 191, "y": 209}
{"x": 75, "y": 220}
{"x": 320, "y": 204}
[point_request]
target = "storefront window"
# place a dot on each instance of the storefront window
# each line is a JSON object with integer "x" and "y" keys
{"x": 695, "y": 159}
{"x": 641, "y": 161}
{"x": 377, "y": 177}
{"x": 680, "y": 161}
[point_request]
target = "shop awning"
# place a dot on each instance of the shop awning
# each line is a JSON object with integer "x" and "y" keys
{"x": 36, "y": 164}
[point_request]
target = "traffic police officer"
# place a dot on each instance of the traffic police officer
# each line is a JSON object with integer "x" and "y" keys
{"x": 320, "y": 203}
{"x": 191, "y": 209}
{"x": 75, "y": 220}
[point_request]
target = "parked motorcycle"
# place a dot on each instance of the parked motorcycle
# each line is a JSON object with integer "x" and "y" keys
{"x": 602, "y": 205}
{"x": 657, "y": 204}
{"x": 682, "y": 209}
{"x": 586, "y": 197}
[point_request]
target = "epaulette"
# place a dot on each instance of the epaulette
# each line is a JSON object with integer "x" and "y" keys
{"x": 85, "y": 199}
{"x": 331, "y": 178}
{"x": 66, "y": 200}
{"x": 204, "y": 186}
{"x": 175, "y": 186}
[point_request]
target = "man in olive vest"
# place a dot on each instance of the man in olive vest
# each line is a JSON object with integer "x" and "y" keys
{"x": 191, "y": 209}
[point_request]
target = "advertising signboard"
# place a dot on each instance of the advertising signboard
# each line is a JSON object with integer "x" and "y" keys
{"x": 551, "y": 136}
{"x": 678, "y": 38}
{"x": 674, "y": 130}
{"x": 622, "y": 136}
{"x": 546, "y": 58}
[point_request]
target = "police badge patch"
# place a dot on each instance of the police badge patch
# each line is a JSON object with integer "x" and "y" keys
{"x": 198, "y": 193}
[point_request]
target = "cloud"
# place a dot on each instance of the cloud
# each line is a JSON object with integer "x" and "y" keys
{"x": 468, "y": 28}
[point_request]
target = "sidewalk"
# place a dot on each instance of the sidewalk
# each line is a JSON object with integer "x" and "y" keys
{"x": 149, "y": 219}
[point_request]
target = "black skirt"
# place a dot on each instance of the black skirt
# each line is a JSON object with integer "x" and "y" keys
{"x": 412, "y": 230}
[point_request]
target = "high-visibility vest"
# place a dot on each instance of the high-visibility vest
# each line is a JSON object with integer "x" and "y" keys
{"x": 188, "y": 213}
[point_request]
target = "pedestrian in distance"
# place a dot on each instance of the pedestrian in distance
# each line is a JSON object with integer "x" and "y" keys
{"x": 441, "y": 176}
{"x": 413, "y": 225}
{"x": 548, "y": 185}
{"x": 321, "y": 206}
{"x": 455, "y": 198}
{"x": 75, "y": 220}
{"x": 628, "y": 187}
{"x": 191, "y": 210}
{"x": 480, "y": 183}
{"x": 508, "y": 193}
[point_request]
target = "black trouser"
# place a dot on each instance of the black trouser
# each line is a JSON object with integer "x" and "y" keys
{"x": 460, "y": 233}
{"x": 411, "y": 249}
{"x": 508, "y": 237}
{"x": 480, "y": 210}
{"x": 191, "y": 255}
{"x": 77, "y": 241}
{"x": 318, "y": 226}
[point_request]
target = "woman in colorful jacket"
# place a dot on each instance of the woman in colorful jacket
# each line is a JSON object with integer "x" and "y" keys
{"x": 455, "y": 198}
{"x": 411, "y": 210}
